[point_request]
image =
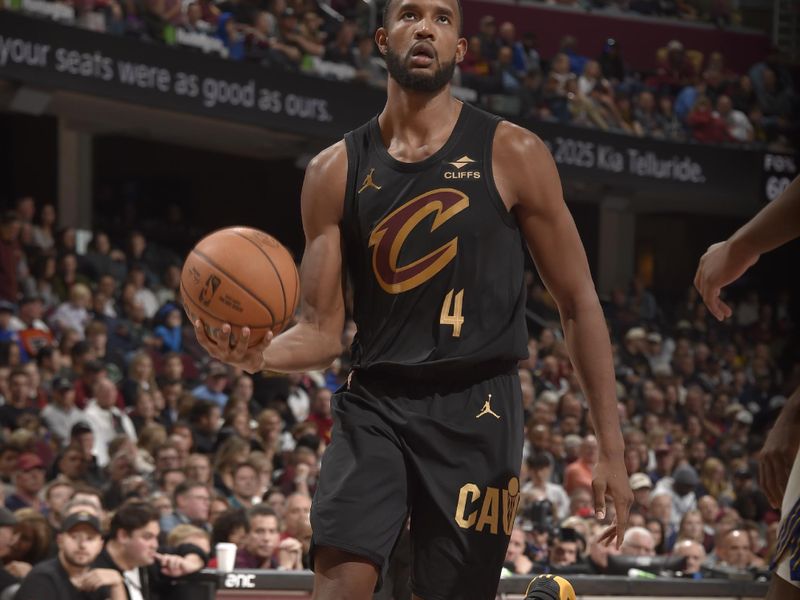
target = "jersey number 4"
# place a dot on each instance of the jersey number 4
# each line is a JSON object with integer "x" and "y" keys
{"x": 454, "y": 318}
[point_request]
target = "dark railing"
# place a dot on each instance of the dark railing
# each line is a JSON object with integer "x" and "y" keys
{"x": 211, "y": 585}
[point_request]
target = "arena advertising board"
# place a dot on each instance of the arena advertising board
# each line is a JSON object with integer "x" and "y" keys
{"x": 40, "y": 52}
{"x": 47, "y": 54}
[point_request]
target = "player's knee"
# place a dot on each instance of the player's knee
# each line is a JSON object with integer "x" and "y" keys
{"x": 341, "y": 575}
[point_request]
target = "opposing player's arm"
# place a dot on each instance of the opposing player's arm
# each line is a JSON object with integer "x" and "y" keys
{"x": 724, "y": 262}
{"x": 534, "y": 194}
{"x": 315, "y": 341}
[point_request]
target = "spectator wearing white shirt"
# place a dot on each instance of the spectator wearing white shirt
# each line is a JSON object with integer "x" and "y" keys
{"x": 143, "y": 294}
{"x": 73, "y": 314}
{"x": 106, "y": 420}
{"x": 739, "y": 126}
{"x": 540, "y": 487}
{"x": 589, "y": 78}
{"x": 61, "y": 413}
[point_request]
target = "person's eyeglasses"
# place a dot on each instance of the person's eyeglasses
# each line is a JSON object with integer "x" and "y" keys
{"x": 201, "y": 498}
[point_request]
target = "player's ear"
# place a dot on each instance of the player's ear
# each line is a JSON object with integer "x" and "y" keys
{"x": 461, "y": 49}
{"x": 380, "y": 40}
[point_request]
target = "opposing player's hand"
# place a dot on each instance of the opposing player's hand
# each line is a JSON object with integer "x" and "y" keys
{"x": 718, "y": 267}
{"x": 776, "y": 459}
{"x": 611, "y": 477}
{"x": 238, "y": 354}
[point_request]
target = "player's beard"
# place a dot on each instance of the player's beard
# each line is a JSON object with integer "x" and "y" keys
{"x": 408, "y": 79}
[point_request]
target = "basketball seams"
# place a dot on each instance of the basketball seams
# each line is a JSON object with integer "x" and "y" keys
{"x": 274, "y": 267}
{"x": 208, "y": 260}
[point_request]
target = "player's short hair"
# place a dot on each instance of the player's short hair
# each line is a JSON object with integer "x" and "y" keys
{"x": 388, "y": 5}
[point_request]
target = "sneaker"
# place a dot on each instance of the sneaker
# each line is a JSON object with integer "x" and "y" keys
{"x": 549, "y": 587}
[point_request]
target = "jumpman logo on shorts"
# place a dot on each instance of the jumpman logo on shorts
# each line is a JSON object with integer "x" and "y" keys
{"x": 487, "y": 409}
{"x": 368, "y": 182}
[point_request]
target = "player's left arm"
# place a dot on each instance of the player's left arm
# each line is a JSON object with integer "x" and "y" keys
{"x": 527, "y": 179}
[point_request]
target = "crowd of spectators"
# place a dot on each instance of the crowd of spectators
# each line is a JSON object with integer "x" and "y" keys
{"x": 696, "y": 398}
{"x": 111, "y": 411}
{"x": 684, "y": 96}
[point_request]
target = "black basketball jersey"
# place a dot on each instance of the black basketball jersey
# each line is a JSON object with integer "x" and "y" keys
{"x": 435, "y": 260}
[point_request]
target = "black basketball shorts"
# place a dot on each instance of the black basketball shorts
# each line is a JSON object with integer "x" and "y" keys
{"x": 449, "y": 457}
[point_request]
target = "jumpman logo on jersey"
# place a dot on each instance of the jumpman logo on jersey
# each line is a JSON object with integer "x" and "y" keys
{"x": 487, "y": 409}
{"x": 368, "y": 182}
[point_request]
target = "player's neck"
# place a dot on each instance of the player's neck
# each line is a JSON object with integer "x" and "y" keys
{"x": 416, "y": 119}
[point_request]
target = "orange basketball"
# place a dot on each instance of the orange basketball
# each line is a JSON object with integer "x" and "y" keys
{"x": 241, "y": 276}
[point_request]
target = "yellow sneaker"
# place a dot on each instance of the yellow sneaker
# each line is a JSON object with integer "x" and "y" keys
{"x": 549, "y": 587}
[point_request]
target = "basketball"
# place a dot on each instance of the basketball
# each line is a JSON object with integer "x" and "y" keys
{"x": 243, "y": 277}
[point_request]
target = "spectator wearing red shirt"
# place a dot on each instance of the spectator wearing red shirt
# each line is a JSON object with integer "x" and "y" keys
{"x": 321, "y": 413}
{"x": 579, "y": 473}
{"x": 705, "y": 124}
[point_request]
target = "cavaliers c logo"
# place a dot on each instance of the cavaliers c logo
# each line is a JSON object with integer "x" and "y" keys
{"x": 390, "y": 234}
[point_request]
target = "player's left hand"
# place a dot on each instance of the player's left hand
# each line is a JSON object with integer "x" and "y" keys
{"x": 611, "y": 477}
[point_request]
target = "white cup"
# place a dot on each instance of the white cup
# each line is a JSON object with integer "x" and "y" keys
{"x": 226, "y": 557}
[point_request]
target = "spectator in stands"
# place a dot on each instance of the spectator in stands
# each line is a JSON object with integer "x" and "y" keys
{"x": 475, "y": 68}
{"x": 288, "y": 55}
{"x": 694, "y": 554}
{"x": 488, "y": 38}
{"x": 569, "y": 46}
{"x": 733, "y": 550}
{"x": 192, "y": 501}
{"x": 193, "y": 21}
{"x": 565, "y": 552}
{"x": 214, "y": 386}
{"x": 73, "y": 314}
{"x": 638, "y": 541}
{"x": 245, "y": 485}
{"x": 204, "y": 418}
{"x": 540, "y": 486}
{"x": 506, "y": 70}
{"x": 517, "y": 560}
{"x": 507, "y": 37}
{"x": 28, "y": 482}
{"x": 228, "y": 32}
{"x": 681, "y": 489}
{"x": 66, "y": 576}
{"x": 106, "y": 419}
{"x": 61, "y": 413}
{"x": 611, "y": 62}
{"x": 17, "y": 400}
{"x": 706, "y": 125}
{"x": 297, "y": 514}
{"x": 132, "y": 550}
{"x": 56, "y": 495}
{"x": 371, "y": 69}
{"x": 340, "y": 50}
{"x": 262, "y": 541}
{"x": 35, "y": 537}
{"x": 231, "y": 526}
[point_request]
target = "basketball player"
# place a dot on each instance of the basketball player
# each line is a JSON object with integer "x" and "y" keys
{"x": 723, "y": 263}
{"x": 426, "y": 208}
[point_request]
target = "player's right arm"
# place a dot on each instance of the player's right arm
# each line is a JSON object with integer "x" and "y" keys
{"x": 315, "y": 341}
{"x": 725, "y": 262}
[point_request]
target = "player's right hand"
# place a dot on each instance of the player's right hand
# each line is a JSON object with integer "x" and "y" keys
{"x": 718, "y": 267}
{"x": 238, "y": 355}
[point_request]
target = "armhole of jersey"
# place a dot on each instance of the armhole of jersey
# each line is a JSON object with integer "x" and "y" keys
{"x": 494, "y": 194}
{"x": 349, "y": 211}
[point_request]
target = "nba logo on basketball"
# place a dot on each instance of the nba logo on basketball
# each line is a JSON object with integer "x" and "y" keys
{"x": 209, "y": 289}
